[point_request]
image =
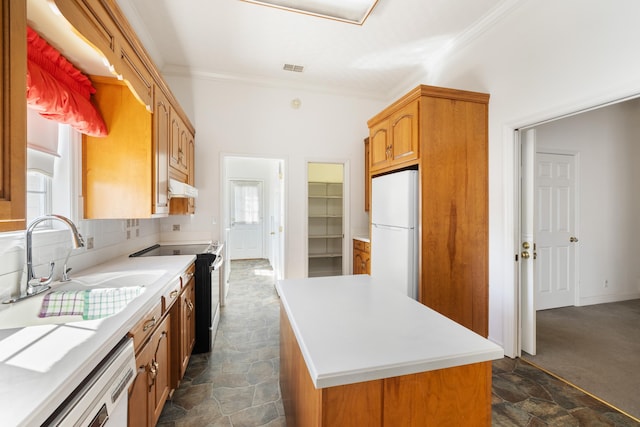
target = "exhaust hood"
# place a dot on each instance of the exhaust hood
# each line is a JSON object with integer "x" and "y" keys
{"x": 180, "y": 189}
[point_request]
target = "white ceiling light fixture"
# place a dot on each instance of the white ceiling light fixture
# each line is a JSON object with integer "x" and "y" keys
{"x": 350, "y": 11}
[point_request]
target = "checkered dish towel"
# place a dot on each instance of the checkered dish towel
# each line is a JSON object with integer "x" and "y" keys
{"x": 91, "y": 304}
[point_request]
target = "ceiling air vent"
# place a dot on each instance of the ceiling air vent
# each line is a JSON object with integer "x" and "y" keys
{"x": 294, "y": 68}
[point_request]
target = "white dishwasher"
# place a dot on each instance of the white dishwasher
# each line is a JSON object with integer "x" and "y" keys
{"x": 101, "y": 399}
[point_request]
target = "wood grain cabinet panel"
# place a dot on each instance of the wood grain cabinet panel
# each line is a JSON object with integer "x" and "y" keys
{"x": 118, "y": 168}
{"x": 161, "y": 135}
{"x": 13, "y": 113}
{"x": 361, "y": 257}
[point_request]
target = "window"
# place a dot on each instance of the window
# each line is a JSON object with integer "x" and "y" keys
{"x": 50, "y": 160}
{"x": 38, "y": 194}
{"x": 246, "y": 202}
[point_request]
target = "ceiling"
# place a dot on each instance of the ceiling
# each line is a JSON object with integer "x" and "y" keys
{"x": 241, "y": 41}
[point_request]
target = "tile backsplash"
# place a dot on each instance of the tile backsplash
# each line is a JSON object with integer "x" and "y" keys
{"x": 104, "y": 240}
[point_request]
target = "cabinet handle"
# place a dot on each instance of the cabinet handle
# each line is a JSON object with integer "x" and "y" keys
{"x": 173, "y": 294}
{"x": 152, "y": 368}
{"x": 190, "y": 305}
{"x": 149, "y": 324}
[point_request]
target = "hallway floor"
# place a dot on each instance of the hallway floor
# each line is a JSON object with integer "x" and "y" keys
{"x": 236, "y": 385}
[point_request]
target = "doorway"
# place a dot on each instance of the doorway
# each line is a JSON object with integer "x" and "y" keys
{"x": 246, "y": 219}
{"x": 601, "y": 143}
{"x": 253, "y": 220}
{"x": 326, "y": 213}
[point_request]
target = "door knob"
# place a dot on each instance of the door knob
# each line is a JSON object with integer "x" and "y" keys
{"x": 573, "y": 239}
{"x": 525, "y": 254}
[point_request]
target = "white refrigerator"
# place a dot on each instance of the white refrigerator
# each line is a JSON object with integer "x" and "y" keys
{"x": 394, "y": 231}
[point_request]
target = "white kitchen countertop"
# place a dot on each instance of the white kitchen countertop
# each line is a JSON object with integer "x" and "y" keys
{"x": 41, "y": 365}
{"x": 352, "y": 329}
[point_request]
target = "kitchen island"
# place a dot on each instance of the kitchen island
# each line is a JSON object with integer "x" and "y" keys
{"x": 355, "y": 353}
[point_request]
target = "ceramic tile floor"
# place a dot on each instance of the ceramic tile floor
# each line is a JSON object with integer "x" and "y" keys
{"x": 236, "y": 385}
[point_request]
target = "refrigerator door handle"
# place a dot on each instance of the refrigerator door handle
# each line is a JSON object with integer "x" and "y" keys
{"x": 390, "y": 227}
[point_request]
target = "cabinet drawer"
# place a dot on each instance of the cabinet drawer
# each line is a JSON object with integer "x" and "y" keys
{"x": 171, "y": 295}
{"x": 359, "y": 245}
{"x": 146, "y": 326}
{"x": 187, "y": 275}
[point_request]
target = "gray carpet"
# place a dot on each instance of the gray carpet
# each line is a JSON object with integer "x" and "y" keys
{"x": 596, "y": 348}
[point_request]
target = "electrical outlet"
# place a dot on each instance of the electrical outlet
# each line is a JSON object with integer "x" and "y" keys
{"x": 89, "y": 243}
{"x": 176, "y": 227}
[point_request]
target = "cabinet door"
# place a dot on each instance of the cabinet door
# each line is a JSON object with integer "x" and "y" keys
{"x": 404, "y": 133}
{"x": 367, "y": 176}
{"x": 379, "y": 146}
{"x": 191, "y": 150}
{"x": 188, "y": 325}
{"x": 162, "y": 130}
{"x": 366, "y": 261}
{"x": 179, "y": 141}
{"x": 160, "y": 371}
{"x": 139, "y": 411}
{"x": 358, "y": 262}
{"x": 175, "y": 153}
{"x": 13, "y": 119}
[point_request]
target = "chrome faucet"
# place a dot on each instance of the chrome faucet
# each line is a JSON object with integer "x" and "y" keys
{"x": 37, "y": 285}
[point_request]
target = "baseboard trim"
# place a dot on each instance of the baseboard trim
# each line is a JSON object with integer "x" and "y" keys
{"x": 604, "y": 299}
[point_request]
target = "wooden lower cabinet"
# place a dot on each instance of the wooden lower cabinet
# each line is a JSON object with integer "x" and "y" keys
{"x": 187, "y": 325}
{"x": 163, "y": 339}
{"x": 361, "y": 257}
{"x": 151, "y": 386}
{"x": 457, "y": 396}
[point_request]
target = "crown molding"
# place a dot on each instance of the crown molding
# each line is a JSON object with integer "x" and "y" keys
{"x": 180, "y": 71}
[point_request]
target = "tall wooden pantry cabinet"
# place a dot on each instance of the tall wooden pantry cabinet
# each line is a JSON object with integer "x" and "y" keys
{"x": 444, "y": 132}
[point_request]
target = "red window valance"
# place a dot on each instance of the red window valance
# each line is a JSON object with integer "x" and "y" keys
{"x": 58, "y": 90}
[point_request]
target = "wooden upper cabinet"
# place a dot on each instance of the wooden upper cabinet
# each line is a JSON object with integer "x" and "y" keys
{"x": 118, "y": 169}
{"x": 136, "y": 75}
{"x": 161, "y": 136}
{"x": 367, "y": 176}
{"x": 191, "y": 150}
{"x": 405, "y": 141}
{"x": 379, "y": 146}
{"x": 178, "y": 157}
{"x": 13, "y": 113}
{"x": 394, "y": 138}
{"x": 94, "y": 23}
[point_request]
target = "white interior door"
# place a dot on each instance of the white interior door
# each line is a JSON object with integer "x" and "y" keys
{"x": 246, "y": 219}
{"x": 526, "y": 245}
{"x": 555, "y": 230}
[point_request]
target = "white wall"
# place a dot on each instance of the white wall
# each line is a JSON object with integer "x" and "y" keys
{"x": 240, "y": 119}
{"x": 543, "y": 59}
{"x": 606, "y": 141}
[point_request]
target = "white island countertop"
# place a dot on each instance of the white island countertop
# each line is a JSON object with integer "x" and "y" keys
{"x": 41, "y": 365}
{"x": 352, "y": 329}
